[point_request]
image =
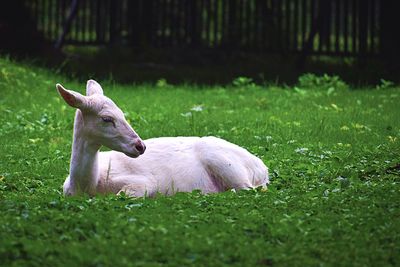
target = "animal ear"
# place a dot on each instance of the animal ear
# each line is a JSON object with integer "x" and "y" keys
{"x": 74, "y": 99}
{"x": 93, "y": 87}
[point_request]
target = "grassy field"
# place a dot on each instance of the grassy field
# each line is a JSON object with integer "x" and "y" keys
{"x": 333, "y": 153}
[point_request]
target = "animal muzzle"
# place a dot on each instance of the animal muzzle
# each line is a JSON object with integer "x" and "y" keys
{"x": 140, "y": 146}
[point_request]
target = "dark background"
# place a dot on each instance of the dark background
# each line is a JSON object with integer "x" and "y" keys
{"x": 206, "y": 41}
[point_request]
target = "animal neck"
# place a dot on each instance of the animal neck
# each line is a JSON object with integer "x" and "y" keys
{"x": 84, "y": 169}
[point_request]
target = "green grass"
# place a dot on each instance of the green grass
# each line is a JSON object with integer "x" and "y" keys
{"x": 333, "y": 153}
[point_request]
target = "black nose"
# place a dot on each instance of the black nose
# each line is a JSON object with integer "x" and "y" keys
{"x": 140, "y": 146}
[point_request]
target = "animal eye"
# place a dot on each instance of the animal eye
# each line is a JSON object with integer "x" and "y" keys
{"x": 107, "y": 119}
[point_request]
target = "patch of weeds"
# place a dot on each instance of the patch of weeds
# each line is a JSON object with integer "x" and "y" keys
{"x": 384, "y": 84}
{"x": 325, "y": 82}
{"x": 243, "y": 82}
{"x": 162, "y": 83}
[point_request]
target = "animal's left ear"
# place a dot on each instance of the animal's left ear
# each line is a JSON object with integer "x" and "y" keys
{"x": 93, "y": 87}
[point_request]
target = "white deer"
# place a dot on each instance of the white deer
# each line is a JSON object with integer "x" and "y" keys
{"x": 169, "y": 165}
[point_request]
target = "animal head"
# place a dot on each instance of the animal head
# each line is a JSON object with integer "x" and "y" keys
{"x": 102, "y": 122}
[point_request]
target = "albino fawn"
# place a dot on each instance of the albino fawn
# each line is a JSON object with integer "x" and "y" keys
{"x": 143, "y": 168}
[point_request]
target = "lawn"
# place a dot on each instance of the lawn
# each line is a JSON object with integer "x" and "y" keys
{"x": 333, "y": 154}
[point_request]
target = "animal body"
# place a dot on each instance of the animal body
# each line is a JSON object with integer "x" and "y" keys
{"x": 139, "y": 168}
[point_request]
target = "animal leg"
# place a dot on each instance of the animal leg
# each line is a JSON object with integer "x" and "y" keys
{"x": 231, "y": 166}
{"x": 136, "y": 186}
{"x": 230, "y": 174}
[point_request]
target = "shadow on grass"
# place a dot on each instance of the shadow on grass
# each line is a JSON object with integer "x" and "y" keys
{"x": 206, "y": 67}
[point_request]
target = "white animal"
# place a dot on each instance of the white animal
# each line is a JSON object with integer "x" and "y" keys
{"x": 169, "y": 165}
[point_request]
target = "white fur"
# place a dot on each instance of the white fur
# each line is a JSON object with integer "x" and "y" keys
{"x": 168, "y": 165}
